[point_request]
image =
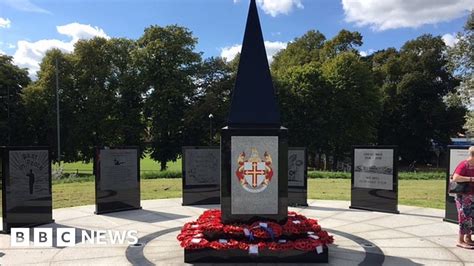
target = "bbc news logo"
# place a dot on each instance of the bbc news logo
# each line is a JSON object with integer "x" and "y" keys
{"x": 66, "y": 237}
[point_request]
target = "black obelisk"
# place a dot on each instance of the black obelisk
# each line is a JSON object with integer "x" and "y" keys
{"x": 254, "y": 146}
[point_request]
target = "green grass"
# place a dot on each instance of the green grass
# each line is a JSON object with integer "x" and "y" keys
{"x": 401, "y": 175}
{"x": 80, "y": 191}
{"x": 77, "y": 194}
{"x": 147, "y": 165}
{"x": 423, "y": 193}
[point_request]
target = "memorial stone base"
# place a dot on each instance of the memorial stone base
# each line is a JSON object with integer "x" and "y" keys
{"x": 298, "y": 240}
{"x": 265, "y": 256}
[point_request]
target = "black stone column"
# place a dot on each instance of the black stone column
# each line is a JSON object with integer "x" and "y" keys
{"x": 254, "y": 113}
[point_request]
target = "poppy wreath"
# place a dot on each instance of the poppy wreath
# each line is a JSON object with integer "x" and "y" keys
{"x": 218, "y": 245}
{"x": 235, "y": 230}
{"x": 194, "y": 243}
{"x": 279, "y": 246}
{"x": 189, "y": 234}
{"x": 307, "y": 244}
{"x": 298, "y": 233}
{"x": 270, "y": 230}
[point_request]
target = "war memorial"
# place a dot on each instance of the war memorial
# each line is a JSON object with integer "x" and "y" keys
{"x": 243, "y": 202}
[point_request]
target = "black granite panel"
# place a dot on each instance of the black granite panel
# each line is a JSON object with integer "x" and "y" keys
{"x": 26, "y": 186}
{"x": 117, "y": 179}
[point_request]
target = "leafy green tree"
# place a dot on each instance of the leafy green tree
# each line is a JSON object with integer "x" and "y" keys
{"x": 94, "y": 123}
{"x": 469, "y": 126}
{"x": 214, "y": 82}
{"x": 354, "y": 105}
{"x": 344, "y": 41}
{"x": 414, "y": 83}
{"x": 12, "y": 81}
{"x": 461, "y": 59}
{"x": 167, "y": 64}
{"x": 303, "y": 97}
{"x": 302, "y": 50}
{"x": 40, "y": 104}
{"x": 129, "y": 101}
{"x": 317, "y": 81}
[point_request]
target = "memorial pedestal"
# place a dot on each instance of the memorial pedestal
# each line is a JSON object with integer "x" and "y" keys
{"x": 271, "y": 203}
{"x": 266, "y": 256}
{"x": 298, "y": 240}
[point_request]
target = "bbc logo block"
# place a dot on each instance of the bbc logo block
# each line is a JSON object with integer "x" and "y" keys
{"x": 66, "y": 237}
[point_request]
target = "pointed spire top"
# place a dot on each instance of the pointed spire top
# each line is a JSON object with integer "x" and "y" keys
{"x": 253, "y": 99}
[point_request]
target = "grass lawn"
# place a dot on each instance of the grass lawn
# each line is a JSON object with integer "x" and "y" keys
{"x": 76, "y": 194}
{"x": 423, "y": 193}
{"x": 146, "y": 165}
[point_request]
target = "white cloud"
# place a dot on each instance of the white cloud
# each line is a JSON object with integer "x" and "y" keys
{"x": 450, "y": 39}
{"x": 230, "y": 52}
{"x": 81, "y": 31}
{"x": 11, "y": 46}
{"x": 277, "y": 7}
{"x": 393, "y": 14}
{"x": 366, "y": 53}
{"x": 25, "y": 5}
{"x": 29, "y": 54}
{"x": 2, "y": 52}
{"x": 272, "y": 48}
{"x": 5, "y": 23}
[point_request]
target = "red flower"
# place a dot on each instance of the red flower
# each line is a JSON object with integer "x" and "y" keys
{"x": 307, "y": 244}
{"x": 197, "y": 235}
{"x": 277, "y": 246}
{"x": 195, "y": 243}
{"x": 259, "y": 231}
{"x": 231, "y": 244}
{"x": 235, "y": 230}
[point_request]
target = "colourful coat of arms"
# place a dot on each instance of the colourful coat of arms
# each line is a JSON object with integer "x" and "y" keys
{"x": 254, "y": 173}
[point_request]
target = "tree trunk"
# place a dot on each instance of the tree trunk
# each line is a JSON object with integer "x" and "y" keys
{"x": 163, "y": 166}
{"x": 334, "y": 163}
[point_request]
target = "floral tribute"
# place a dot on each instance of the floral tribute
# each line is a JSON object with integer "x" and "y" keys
{"x": 299, "y": 233}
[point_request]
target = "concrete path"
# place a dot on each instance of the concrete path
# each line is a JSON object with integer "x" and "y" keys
{"x": 416, "y": 236}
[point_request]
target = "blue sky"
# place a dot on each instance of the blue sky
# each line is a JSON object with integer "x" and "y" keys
{"x": 29, "y": 27}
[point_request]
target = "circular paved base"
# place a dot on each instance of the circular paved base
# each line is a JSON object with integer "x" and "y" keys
{"x": 416, "y": 236}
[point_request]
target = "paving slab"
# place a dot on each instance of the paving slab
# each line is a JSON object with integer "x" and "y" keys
{"x": 416, "y": 236}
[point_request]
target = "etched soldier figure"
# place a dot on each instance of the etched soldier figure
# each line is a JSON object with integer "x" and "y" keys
{"x": 31, "y": 177}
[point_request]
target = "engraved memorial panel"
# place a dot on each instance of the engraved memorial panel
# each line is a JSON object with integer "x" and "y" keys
{"x": 117, "y": 179}
{"x": 26, "y": 181}
{"x": 201, "y": 175}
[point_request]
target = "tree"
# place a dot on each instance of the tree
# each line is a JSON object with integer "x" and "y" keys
{"x": 318, "y": 81}
{"x": 40, "y": 105}
{"x": 12, "y": 81}
{"x": 302, "y": 50}
{"x": 461, "y": 59}
{"x": 469, "y": 126}
{"x": 344, "y": 41}
{"x": 414, "y": 83}
{"x": 304, "y": 100}
{"x": 214, "y": 82}
{"x": 128, "y": 109}
{"x": 354, "y": 105}
{"x": 167, "y": 64}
